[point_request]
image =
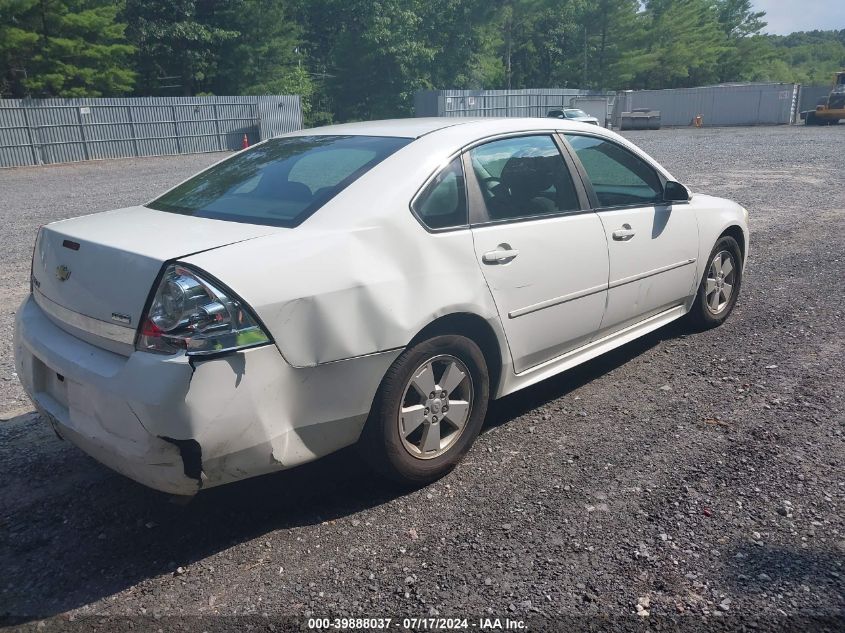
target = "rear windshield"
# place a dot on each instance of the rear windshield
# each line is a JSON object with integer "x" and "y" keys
{"x": 280, "y": 182}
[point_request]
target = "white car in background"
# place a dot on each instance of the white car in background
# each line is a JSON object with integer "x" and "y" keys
{"x": 374, "y": 283}
{"x": 573, "y": 114}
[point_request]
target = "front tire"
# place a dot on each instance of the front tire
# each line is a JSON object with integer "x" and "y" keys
{"x": 428, "y": 410}
{"x": 720, "y": 285}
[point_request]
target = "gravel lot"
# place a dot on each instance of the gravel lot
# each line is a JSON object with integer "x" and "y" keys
{"x": 697, "y": 474}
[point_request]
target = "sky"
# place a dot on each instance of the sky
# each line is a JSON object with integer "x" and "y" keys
{"x": 786, "y": 16}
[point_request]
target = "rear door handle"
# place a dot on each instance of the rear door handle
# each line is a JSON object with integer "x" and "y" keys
{"x": 502, "y": 255}
{"x": 624, "y": 234}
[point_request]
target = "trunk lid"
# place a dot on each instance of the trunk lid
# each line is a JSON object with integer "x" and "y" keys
{"x": 103, "y": 266}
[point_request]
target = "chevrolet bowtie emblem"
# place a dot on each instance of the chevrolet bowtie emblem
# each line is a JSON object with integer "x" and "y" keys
{"x": 62, "y": 273}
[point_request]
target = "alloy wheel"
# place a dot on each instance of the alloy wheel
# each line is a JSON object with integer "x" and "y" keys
{"x": 436, "y": 405}
{"x": 720, "y": 282}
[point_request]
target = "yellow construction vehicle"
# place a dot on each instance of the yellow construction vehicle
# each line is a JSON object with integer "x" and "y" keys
{"x": 832, "y": 107}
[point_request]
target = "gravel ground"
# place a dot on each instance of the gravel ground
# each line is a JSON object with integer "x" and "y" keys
{"x": 697, "y": 474}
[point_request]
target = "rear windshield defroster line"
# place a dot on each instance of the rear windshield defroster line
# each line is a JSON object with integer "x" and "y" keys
{"x": 281, "y": 182}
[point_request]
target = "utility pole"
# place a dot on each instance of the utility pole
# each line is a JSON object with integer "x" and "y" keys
{"x": 509, "y": 45}
{"x": 584, "y": 84}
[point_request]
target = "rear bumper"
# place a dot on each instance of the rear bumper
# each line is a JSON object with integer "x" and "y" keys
{"x": 178, "y": 426}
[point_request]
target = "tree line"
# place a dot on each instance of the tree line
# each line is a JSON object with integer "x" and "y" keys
{"x": 355, "y": 59}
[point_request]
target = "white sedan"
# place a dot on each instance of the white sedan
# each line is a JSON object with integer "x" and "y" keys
{"x": 573, "y": 114}
{"x": 370, "y": 283}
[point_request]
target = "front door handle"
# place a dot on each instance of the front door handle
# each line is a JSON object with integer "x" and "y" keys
{"x": 624, "y": 234}
{"x": 502, "y": 255}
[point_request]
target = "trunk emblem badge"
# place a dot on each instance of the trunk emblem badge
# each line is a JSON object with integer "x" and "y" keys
{"x": 62, "y": 273}
{"x": 121, "y": 318}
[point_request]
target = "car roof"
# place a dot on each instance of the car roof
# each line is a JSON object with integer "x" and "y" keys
{"x": 455, "y": 126}
{"x": 402, "y": 128}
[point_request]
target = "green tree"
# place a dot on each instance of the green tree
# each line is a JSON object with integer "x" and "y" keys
{"x": 515, "y": 19}
{"x": 748, "y": 52}
{"x": 683, "y": 47}
{"x": 369, "y": 55}
{"x": 64, "y": 48}
{"x": 738, "y": 18}
{"x": 358, "y": 59}
{"x": 18, "y": 39}
{"x": 267, "y": 56}
{"x": 179, "y": 43}
{"x": 616, "y": 30}
{"x": 810, "y": 57}
{"x": 554, "y": 56}
{"x": 264, "y": 57}
{"x": 462, "y": 42}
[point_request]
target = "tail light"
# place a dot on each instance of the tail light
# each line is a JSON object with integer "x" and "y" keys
{"x": 191, "y": 313}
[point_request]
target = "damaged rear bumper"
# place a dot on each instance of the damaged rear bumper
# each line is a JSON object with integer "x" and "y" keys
{"x": 179, "y": 426}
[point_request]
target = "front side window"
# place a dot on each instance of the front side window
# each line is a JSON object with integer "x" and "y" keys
{"x": 523, "y": 177}
{"x": 443, "y": 203}
{"x": 619, "y": 177}
{"x": 280, "y": 182}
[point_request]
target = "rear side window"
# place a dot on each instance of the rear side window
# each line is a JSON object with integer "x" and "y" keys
{"x": 280, "y": 182}
{"x": 523, "y": 177}
{"x": 619, "y": 178}
{"x": 443, "y": 203}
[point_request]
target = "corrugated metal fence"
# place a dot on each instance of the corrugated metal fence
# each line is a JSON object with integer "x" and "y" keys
{"x": 530, "y": 102}
{"x": 47, "y": 131}
{"x": 740, "y": 104}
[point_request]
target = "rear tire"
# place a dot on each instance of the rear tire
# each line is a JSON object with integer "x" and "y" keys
{"x": 720, "y": 285}
{"x": 414, "y": 438}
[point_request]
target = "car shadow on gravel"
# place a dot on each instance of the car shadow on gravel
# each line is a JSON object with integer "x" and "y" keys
{"x": 525, "y": 400}
{"x": 73, "y": 544}
{"x": 790, "y": 574}
{"x": 762, "y": 568}
{"x": 82, "y": 544}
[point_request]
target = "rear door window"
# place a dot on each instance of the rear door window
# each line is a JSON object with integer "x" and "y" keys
{"x": 523, "y": 177}
{"x": 280, "y": 182}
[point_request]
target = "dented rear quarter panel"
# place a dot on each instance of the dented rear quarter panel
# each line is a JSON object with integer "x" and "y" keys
{"x": 361, "y": 275}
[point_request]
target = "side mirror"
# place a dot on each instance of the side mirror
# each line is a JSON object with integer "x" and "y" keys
{"x": 675, "y": 192}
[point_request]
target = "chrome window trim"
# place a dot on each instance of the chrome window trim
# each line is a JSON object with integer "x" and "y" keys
{"x": 103, "y": 329}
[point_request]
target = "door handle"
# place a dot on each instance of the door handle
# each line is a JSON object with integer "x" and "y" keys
{"x": 624, "y": 234}
{"x": 502, "y": 255}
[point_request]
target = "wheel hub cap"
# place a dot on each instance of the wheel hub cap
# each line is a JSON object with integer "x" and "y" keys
{"x": 719, "y": 284}
{"x": 436, "y": 406}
